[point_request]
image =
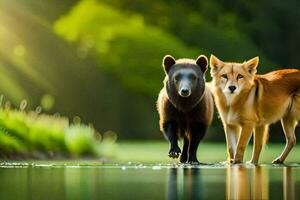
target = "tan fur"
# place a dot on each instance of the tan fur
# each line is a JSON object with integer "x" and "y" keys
{"x": 257, "y": 101}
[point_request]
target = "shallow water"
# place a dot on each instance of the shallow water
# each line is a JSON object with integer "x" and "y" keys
{"x": 138, "y": 181}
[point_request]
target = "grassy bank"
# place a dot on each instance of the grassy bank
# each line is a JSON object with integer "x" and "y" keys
{"x": 30, "y": 135}
{"x": 156, "y": 152}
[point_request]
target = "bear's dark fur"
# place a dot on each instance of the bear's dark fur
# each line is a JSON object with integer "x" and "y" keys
{"x": 185, "y": 105}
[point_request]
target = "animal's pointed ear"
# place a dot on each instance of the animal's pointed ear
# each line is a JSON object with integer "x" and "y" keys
{"x": 215, "y": 64}
{"x": 252, "y": 64}
{"x": 168, "y": 62}
{"x": 202, "y": 62}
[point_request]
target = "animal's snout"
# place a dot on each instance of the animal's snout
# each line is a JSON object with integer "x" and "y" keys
{"x": 232, "y": 88}
{"x": 185, "y": 92}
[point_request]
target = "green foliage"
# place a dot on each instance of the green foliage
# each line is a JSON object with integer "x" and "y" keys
{"x": 129, "y": 38}
{"x": 124, "y": 44}
{"x": 9, "y": 144}
{"x": 78, "y": 139}
{"x": 205, "y": 24}
{"x": 102, "y": 59}
{"x": 132, "y": 49}
{"x": 29, "y": 134}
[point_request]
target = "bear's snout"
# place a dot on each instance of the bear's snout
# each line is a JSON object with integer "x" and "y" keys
{"x": 185, "y": 92}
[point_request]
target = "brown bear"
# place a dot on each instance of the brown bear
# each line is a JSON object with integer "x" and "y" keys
{"x": 185, "y": 105}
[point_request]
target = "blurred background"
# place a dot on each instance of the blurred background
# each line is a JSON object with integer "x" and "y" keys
{"x": 100, "y": 60}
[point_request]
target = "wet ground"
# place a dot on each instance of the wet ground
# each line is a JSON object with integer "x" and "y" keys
{"x": 89, "y": 180}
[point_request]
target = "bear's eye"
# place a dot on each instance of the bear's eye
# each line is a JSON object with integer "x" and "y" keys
{"x": 239, "y": 76}
{"x": 192, "y": 77}
{"x": 177, "y": 77}
{"x": 224, "y": 76}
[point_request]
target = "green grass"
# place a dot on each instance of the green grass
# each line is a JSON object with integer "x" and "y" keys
{"x": 27, "y": 135}
{"x": 156, "y": 152}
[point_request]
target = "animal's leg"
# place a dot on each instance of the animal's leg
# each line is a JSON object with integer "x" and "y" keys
{"x": 243, "y": 142}
{"x": 288, "y": 124}
{"x": 258, "y": 140}
{"x": 170, "y": 130}
{"x": 184, "y": 154}
{"x": 197, "y": 132}
{"x": 231, "y": 133}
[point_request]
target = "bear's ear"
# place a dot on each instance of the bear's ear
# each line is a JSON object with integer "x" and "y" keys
{"x": 215, "y": 64}
{"x": 168, "y": 62}
{"x": 202, "y": 62}
{"x": 252, "y": 64}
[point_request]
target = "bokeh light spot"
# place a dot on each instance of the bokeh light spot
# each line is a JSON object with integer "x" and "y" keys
{"x": 19, "y": 50}
{"x": 47, "y": 102}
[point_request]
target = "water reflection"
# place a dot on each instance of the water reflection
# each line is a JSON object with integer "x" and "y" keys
{"x": 184, "y": 184}
{"x": 163, "y": 182}
{"x": 288, "y": 183}
{"x": 239, "y": 182}
{"x": 245, "y": 183}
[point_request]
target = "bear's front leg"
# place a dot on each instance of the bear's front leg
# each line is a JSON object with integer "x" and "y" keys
{"x": 170, "y": 130}
{"x": 196, "y": 134}
{"x": 184, "y": 154}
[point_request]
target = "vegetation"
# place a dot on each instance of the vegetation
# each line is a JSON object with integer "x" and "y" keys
{"x": 130, "y": 41}
{"x": 101, "y": 59}
{"x": 138, "y": 69}
{"x": 156, "y": 152}
{"x": 34, "y": 135}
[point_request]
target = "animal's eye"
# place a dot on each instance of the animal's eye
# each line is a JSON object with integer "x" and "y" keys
{"x": 177, "y": 77}
{"x": 239, "y": 76}
{"x": 224, "y": 76}
{"x": 192, "y": 77}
